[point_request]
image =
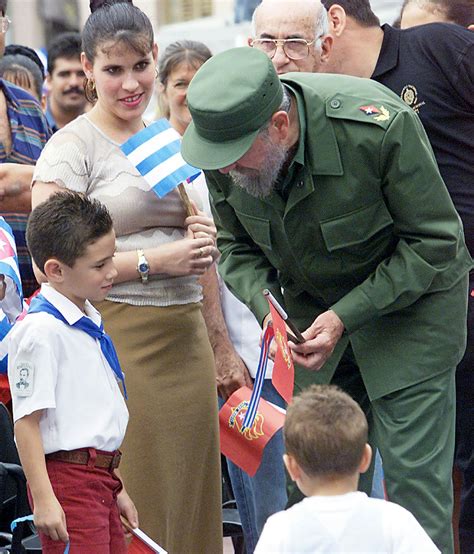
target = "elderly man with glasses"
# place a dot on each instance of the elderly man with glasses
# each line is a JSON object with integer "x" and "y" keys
{"x": 23, "y": 133}
{"x": 297, "y": 43}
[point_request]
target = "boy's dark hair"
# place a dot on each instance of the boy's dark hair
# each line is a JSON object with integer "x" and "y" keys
{"x": 65, "y": 45}
{"x": 64, "y": 226}
{"x": 359, "y": 10}
{"x": 325, "y": 431}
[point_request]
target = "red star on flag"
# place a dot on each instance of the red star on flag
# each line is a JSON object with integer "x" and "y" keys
{"x": 6, "y": 250}
{"x": 369, "y": 110}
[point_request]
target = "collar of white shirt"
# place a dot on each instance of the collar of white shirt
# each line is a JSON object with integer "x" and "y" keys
{"x": 68, "y": 309}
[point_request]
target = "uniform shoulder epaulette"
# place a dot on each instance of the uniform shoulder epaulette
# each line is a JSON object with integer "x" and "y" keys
{"x": 342, "y": 106}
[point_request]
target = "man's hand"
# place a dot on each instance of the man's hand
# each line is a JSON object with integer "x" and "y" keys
{"x": 49, "y": 518}
{"x": 231, "y": 372}
{"x": 321, "y": 339}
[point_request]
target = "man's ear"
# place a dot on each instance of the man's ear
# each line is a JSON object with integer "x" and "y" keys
{"x": 326, "y": 47}
{"x": 337, "y": 20}
{"x": 249, "y": 41}
{"x": 292, "y": 467}
{"x": 279, "y": 126}
{"x": 54, "y": 270}
{"x": 366, "y": 459}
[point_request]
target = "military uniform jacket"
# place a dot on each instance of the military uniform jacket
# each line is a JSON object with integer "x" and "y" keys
{"x": 368, "y": 230}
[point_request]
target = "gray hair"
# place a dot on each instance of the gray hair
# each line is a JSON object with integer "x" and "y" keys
{"x": 284, "y": 106}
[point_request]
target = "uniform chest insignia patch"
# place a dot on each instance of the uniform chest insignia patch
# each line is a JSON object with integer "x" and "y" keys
{"x": 369, "y": 110}
{"x": 24, "y": 379}
{"x": 409, "y": 95}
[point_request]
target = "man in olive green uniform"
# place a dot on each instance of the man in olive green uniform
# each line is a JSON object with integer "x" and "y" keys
{"x": 329, "y": 195}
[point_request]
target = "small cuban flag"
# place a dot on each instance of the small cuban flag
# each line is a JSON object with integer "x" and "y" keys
{"x": 156, "y": 153}
{"x": 12, "y": 304}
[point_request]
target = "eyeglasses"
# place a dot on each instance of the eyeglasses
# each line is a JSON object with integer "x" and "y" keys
{"x": 4, "y": 24}
{"x": 294, "y": 48}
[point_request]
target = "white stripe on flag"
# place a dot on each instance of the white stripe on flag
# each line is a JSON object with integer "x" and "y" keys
{"x": 152, "y": 146}
{"x": 10, "y": 261}
{"x": 165, "y": 169}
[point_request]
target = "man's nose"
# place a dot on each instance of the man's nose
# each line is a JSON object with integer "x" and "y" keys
{"x": 280, "y": 59}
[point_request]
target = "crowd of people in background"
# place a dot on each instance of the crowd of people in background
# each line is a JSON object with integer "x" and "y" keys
{"x": 353, "y": 205}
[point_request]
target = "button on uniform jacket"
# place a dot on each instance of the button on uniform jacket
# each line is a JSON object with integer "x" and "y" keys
{"x": 368, "y": 230}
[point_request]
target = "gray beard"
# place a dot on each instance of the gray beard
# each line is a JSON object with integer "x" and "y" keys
{"x": 262, "y": 184}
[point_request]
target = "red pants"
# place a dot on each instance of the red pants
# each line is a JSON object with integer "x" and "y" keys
{"x": 88, "y": 496}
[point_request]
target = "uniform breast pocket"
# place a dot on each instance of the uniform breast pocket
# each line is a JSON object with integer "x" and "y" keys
{"x": 362, "y": 231}
{"x": 258, "y": 229}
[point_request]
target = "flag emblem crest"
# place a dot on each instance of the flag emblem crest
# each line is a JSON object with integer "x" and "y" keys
{"x": 237, "y": 418}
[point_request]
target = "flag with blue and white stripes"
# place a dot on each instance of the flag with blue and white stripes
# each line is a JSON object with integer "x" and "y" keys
{"x": 156, "y": 153}
{"x": 12, "y": 304}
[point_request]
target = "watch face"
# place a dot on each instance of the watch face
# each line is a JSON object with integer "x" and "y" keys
{"x": 143, "y": 267}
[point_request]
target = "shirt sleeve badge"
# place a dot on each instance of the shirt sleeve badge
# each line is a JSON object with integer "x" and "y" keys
{"x": 24, "y": 379}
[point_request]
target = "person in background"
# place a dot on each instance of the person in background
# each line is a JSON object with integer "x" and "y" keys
{"x": 420, "y": 12}
{"x": 326, "y": 451}
{"x": 307, "y": 49}
{"x": 23, "y": 72}
{"x": 23, "y": 133}
{"x": 233, "y": 330}
{"x": 65, "y": 80}
{"x": 153, "y": 311}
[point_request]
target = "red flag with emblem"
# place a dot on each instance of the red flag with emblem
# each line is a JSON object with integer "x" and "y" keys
{"x": 245, "y": 448}
{"x": 283, "y": 378}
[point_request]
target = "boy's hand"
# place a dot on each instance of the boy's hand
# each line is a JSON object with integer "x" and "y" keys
{"x": 127, "y": 509}
{"x": 51, "y": 520}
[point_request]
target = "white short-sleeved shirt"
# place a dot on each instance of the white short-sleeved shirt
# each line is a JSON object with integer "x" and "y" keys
{"x": 60, "y": 369}
{"x": 350, "y": 522}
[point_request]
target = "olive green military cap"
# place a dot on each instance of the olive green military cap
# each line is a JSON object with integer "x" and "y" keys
{"x": 231, "y": 97}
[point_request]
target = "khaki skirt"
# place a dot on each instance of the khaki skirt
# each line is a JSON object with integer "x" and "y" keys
{"x": 171, "y": 457}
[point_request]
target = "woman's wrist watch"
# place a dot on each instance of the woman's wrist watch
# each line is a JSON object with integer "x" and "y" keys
{"x": 143, "y": 266}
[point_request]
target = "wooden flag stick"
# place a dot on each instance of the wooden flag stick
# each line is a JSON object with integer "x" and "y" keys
{"x": 186, "y": 201}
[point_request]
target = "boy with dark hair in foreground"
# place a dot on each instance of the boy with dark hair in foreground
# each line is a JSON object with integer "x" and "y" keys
{"x": 326, "y": 443}
{"x": 70, "y": 416}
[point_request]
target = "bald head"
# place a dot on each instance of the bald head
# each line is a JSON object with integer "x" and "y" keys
{"x": 308, "y": 21}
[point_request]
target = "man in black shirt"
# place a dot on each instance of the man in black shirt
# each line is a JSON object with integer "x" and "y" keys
{"x": 431, "y": 67}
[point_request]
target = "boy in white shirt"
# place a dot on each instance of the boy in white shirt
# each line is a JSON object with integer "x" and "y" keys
{"x": 70, "y": 416}
{"x": 326, "y": 450}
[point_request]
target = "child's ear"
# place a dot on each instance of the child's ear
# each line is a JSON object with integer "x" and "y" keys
{"x": 53, "y": 269}
{"x": 292, "y": 467}
{"x": 366, "y": 459}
